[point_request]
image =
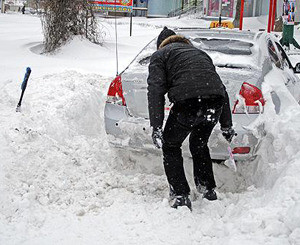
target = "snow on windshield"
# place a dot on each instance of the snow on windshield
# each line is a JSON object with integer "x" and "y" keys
{"x": 226, "y": 46}
{"x": 226, "y": 54}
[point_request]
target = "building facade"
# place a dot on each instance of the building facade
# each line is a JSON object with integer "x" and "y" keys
{"x": 15, "y": 2}
{"x": 162, "y": 8}
{"x": 140, "y": 4}
{"x": 226, "y": 8}
{"x": 159, "y": 8}
{"x": 297, "y": 16}
{"x": 12, "y": 5}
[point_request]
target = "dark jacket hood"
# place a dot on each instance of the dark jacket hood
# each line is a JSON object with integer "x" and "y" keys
{"x": 174, "y": 39}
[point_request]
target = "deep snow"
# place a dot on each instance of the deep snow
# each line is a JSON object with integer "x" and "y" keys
{"x": 62, "y": 183}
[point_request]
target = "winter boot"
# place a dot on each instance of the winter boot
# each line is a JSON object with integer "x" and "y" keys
{"x": 209, "y": 194}
{"x": 178, "y": 201}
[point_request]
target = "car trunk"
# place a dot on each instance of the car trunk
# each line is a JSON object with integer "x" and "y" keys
{"x": 134, "y": 82}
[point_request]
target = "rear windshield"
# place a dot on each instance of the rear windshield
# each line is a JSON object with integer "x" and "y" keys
{"x": 225, "y": 46}
{"x": 229, "y": 47}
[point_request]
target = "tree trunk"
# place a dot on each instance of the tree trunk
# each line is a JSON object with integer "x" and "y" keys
{"x": 61, "y": 20}
{"x": 236, "y": 21}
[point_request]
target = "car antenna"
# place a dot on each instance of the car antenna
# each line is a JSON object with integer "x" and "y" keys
{"x": 116, "y": 33}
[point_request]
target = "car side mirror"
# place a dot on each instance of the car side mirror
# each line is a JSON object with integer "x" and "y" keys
{"x": 297, "y": 68}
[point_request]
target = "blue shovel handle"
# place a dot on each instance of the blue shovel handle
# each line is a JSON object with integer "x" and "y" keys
{"x": 25, "y": 80}
{"x": 23, "y": 87}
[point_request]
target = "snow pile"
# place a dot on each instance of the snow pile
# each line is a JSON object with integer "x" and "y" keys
{"x": 54, "y": 142}
{"x": 58, "y": 166}
{"x": 277, "y": 168}
{"x": 56, "y": 156}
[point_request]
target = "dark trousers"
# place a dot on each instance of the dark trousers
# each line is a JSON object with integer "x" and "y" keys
{"x": 196, "y": 117}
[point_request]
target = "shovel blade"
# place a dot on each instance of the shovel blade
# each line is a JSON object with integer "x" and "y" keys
{"x": 230, "y": 163}
{"x": 18, "y": 109}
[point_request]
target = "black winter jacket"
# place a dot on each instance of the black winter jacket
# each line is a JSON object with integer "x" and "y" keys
{"x": 184, "y": 72}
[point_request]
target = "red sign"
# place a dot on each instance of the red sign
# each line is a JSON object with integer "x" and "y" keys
{"x": 113, "y": 5}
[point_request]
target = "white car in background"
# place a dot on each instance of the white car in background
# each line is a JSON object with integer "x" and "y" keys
{"x": 242, "y": 59}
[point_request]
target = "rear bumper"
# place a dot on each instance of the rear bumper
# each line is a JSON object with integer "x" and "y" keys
{"x": 134, "y": 134}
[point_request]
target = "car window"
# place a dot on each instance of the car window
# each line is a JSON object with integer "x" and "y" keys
{"x": 145, "y": 61}
{"x": 283, "y": 56}
{"x": 273, "y": 54}
{"x": 225, "y": 46}
{"x": 142, "y": 59}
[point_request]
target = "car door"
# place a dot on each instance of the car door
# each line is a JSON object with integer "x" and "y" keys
{"x": 280, "y": 60}
{"x": 293, "y": 81}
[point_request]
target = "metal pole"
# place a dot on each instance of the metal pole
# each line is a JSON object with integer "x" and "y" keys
{"x": 116, "y": 32}
{"x": 130, "y": 23}
{"x": 220, "y": 13}
{"x": 242, "y": 15}
{"x": 273, "y": 14}
{"x": 270, "y": 15}
{"x": 2, "y": 5}
{"x": 206, "y": 7}
{"x": 254, "y": 8}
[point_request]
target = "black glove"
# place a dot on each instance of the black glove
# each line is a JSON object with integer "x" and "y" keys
{"x": 157, "y": 137}
{"x": 228, "y": 133}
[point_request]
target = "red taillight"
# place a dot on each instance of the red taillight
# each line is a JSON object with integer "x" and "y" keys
{"x": 115, "y": 92}
{"x": 241, "y": 150}
{"x": 251, "y": 100}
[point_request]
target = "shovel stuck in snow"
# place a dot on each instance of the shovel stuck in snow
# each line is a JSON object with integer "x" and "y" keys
{"x": 23, "y": 88}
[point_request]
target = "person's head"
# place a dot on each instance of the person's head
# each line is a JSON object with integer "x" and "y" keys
{"x": 165, "y": 33}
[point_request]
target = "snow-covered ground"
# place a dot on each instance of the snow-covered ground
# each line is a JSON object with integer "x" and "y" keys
{"x": 61, "y": 183}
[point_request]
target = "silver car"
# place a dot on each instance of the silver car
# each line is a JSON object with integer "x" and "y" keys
{"x": 242, "y": 60}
